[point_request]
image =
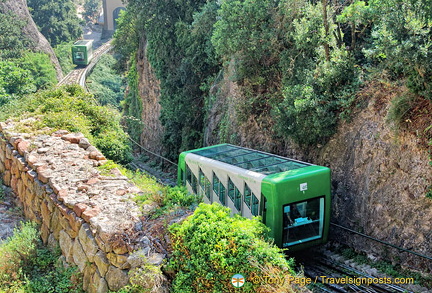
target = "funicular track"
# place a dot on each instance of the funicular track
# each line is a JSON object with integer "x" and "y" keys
{"x": 79, "y": 75}
{"x": 329, "y": 274}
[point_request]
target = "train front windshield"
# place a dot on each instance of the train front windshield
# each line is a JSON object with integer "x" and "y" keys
{"x": 79, "y": 56}
{"x": 303, "y": 221}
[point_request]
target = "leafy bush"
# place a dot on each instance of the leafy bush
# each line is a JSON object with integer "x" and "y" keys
{"x": 41, "y": 69}
{"x": 105, "y": 83}
{"x": 63, "y": 52}
{"x": 210, "y": 247}
{"x": 27, "y": 266}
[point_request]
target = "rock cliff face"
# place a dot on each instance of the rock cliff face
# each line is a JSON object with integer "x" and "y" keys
{"x": 380, "y": 179}
{"x": 149, "y": 91}
{"x": 40, "y": 43}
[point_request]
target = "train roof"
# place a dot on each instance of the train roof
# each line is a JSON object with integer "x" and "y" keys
{"x": 249, "y": 159}
{"x": 83, "y": 42}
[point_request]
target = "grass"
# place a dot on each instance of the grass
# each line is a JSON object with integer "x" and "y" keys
{"x": 167, "y": 199}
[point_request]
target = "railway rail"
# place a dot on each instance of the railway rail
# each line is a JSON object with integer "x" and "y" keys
{"x": 79, "y": 75}
{"x": 331, "y": 274}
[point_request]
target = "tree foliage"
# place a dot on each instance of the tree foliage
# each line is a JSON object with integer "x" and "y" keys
{"x": 223, "y": 246}
{"x": 12, "y": 41}
{"x": 57, "y": 20}
{"x": 91, "y": 10}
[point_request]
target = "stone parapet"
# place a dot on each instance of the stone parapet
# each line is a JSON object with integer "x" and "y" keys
{"x": 90, "y": 216}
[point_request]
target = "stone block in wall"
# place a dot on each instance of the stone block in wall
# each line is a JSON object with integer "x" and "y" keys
{"x": 88, "y": 273}
{"x": 46, "y": 213}
{"x": 78, "y": 255}
{"x": 98, "y": 284}
{"x": 20, "y": 164}
{"x": 31, "y": 175}
{"x": 72, "y": 231}
{"x": 8, "y": 151}
{"x": 56, "y": 226}
{"x": 137, "y": 258}
{"x": 45, "y": 232}
{"x": 21, "y": 187}
{"x": 7, "y": 177}
{"x": 102, "y": 262}
{"x": 22, "y": 147}
{"x": 116, "y": 278}
{"x": 88, "y": 242}
{"x": 2, "y": 166}
{"x": 103, "y": 237}
{"x": 8, "y": 164}
{"x": 119, "y": 260}
{"x": 27, "y": 194}
{"x": 39, "y": 188}
{"x": 66, "y": 244}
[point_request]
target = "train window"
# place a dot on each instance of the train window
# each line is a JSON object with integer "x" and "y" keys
{"x": 204, "y": 184}
{"x": 79, "y": 56}
{"x": 222, "y": 194}
{"x": 216, "y": 183}
{"x": 247, "y": 195}
{"x": 255, "y": 205}
{"x": 231, "y": 188}
{"x": 238, "y": 196}
{"x": 303, "y": 221}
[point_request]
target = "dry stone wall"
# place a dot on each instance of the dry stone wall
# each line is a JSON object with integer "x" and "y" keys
{"x": 90, "y": 216}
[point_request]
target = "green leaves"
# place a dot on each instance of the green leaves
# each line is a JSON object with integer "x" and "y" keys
{"x": 210, "y": 246}
{"x": 57, "y": 20}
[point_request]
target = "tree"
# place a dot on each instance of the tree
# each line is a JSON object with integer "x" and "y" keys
{"x": 91, "y": 9}
{"x": 12, "y": 41}
{"x": 57, "y": 20}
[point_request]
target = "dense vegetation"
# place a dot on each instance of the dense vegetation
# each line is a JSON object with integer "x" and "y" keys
{"x": 105, "y": 83}
{"x": 223, "y": 246}
{"x": 57, "y": 20}
{"x": 21, "y": 71}
{"x": 27, "y": 266}
{"x": 299, "y": 64}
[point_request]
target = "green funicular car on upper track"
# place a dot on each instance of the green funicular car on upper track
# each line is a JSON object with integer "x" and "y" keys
{"x": 292, "y": 197}
{"x": 82, "y": 52}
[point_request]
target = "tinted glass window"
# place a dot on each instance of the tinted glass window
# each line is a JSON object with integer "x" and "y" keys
{"x": 303, "y": 221}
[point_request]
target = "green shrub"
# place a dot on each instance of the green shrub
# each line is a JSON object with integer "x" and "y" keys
{"x": 15, "y": 253}
{"x": 105, "y": 83}
{"x": 210, "y": 247}
{"x": 27, "y": 266}
{"x": 63, "y": 52}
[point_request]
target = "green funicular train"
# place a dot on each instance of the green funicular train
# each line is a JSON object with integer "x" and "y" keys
{"x": 292, "y": 197}
{"x": 82, "y": 52}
